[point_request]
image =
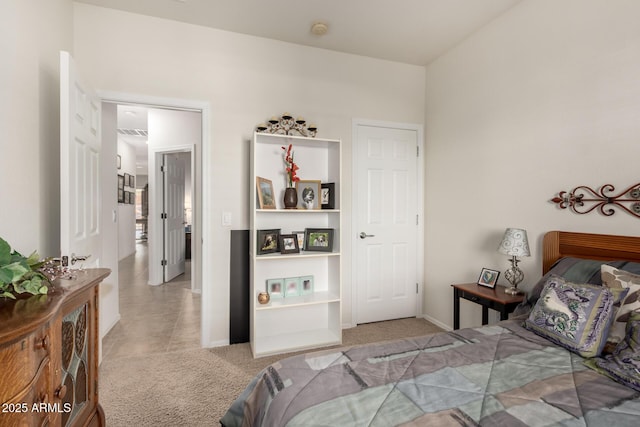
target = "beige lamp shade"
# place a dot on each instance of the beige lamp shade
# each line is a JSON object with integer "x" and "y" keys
{"x": 514, "y": 243}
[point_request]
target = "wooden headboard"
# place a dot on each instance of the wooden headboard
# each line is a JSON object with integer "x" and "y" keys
{"x": 559, "y": 244}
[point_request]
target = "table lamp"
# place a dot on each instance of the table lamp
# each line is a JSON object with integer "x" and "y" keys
{"x": 514, "y": 243}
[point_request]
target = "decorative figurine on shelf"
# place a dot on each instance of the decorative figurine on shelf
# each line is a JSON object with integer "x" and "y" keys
{"x": 290, "y": 193}
{"x": 286, "y": 125}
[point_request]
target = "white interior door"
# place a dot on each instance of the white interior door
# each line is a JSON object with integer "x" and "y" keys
{"x": 79, "y": 167}
{"x": 386, "y": 223}
{"x": 174, "y": 221}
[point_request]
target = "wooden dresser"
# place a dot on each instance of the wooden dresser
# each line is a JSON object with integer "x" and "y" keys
{"x": 49, "y": 355}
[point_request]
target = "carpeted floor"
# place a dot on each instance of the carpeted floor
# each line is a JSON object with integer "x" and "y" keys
{"x": 195, "y": 387}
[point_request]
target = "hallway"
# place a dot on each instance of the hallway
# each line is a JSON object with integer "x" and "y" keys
{"x": 153, "y": 319}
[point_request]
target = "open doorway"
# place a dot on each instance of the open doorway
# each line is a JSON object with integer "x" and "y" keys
{"x": 150, "y": 197}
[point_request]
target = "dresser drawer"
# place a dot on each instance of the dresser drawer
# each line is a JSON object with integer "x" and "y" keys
{"x": 29, "y": 407}
{"x": 21, "y": 360}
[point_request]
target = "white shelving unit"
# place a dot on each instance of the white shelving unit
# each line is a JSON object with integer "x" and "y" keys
{"x": 307, "y": 321}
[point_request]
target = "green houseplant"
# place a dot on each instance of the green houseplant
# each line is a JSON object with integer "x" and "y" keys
{"x": 20, "y": 274}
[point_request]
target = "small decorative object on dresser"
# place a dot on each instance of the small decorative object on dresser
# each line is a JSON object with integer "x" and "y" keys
{"x": 488, "y": 278}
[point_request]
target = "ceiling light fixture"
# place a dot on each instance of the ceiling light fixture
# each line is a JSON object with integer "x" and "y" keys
{"x": 319, "y": 28}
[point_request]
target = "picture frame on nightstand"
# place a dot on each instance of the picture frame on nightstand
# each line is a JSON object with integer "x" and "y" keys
{"x": 488, "y": 278}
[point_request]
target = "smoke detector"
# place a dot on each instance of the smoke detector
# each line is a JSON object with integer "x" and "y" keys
{"x": 319, "y": 28}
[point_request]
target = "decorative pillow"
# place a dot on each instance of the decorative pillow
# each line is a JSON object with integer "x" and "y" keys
{"x": 624, "y": 364}
{"x": 614, "y": 278}
{"x": 574, "y": 316}
{"x": 576, "y": 270}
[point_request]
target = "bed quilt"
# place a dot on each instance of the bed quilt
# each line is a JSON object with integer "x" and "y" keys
{"x": 500, "y": 375}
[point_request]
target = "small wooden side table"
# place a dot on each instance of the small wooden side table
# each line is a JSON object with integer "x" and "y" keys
{"x": 495, "y": 299}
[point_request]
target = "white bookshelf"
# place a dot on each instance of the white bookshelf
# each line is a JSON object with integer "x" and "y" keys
{"x": 306, "y": 321}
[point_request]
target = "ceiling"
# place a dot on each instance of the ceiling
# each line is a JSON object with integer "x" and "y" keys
{"x": 409, "y": 31}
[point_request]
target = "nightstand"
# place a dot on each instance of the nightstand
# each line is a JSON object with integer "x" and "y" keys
{"x": 495, "y": 299}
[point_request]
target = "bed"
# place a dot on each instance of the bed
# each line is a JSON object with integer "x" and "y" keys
{"x": 513, "y": 373}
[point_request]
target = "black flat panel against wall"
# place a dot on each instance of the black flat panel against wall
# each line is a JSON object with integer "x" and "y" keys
{"x": 239, "y": 287}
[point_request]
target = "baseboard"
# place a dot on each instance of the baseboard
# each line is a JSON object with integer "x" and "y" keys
{"x": 109, "y": 327}
{"x": 437, "y": 322}
{"x": 219, "y": 343}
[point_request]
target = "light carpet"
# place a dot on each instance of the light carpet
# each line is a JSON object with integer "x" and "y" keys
{"x": 195, "y": 387}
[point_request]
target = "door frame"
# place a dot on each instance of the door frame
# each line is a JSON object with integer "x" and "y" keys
{"x": 201, "y": 272}
{"x": 419, "y": 129}
{"x": 156, "y": 199}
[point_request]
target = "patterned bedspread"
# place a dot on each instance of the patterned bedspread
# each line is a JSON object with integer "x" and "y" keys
{"x": 501, "y": 375}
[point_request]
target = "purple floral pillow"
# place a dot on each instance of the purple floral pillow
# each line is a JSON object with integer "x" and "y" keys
{"x": 575, "y": 316}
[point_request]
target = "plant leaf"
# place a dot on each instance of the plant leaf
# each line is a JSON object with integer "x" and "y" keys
{"x": 5, "y": 252}
{"x": 7, "y": 295}
{"x": 12, "y": 272}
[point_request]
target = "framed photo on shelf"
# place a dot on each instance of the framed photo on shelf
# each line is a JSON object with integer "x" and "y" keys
{"x": 275, "y": 287}
{"x": 318, "y": 239}
{"x": 300, "y": 235}
{"x": 309, "y": 194}
{"x": 267, "y": 241}
{"x": 289, "y": 244}
{"x": 328, "y": 195}
{"x": 306, "y": 285}
{"x": 292, "y": 287}
{"x": 266, "y": 199}
{"x": 488, "y": 278}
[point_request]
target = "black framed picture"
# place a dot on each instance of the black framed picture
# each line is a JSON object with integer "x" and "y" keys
{"x": 318, "y": 239}
{"x": 120, "y": 196}
{"x": 289, "y": 244}
{"x": 127, "y": 179}
{"x": 267, "y": 241}
{"x": 121, "y": 182}
{"x": 132, "y": 181}
{"x": 488, "y": 278}
{"x": 328, "y": 195}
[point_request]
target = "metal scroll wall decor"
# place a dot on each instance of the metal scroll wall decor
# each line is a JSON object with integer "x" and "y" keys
{"x": 287, "y": 125}
{"x": 583, "y": 199}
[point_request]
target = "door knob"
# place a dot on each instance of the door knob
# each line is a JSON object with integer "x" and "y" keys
{"x": 75, "y": 258}
{"x": 364, "y": 235}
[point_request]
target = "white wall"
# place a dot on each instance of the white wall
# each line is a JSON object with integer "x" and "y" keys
{"x": 32, "y": 33}
{"x": 545, "y": 98}
{"x": 126, "y": 212}
{"x": 245, "y": 80}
